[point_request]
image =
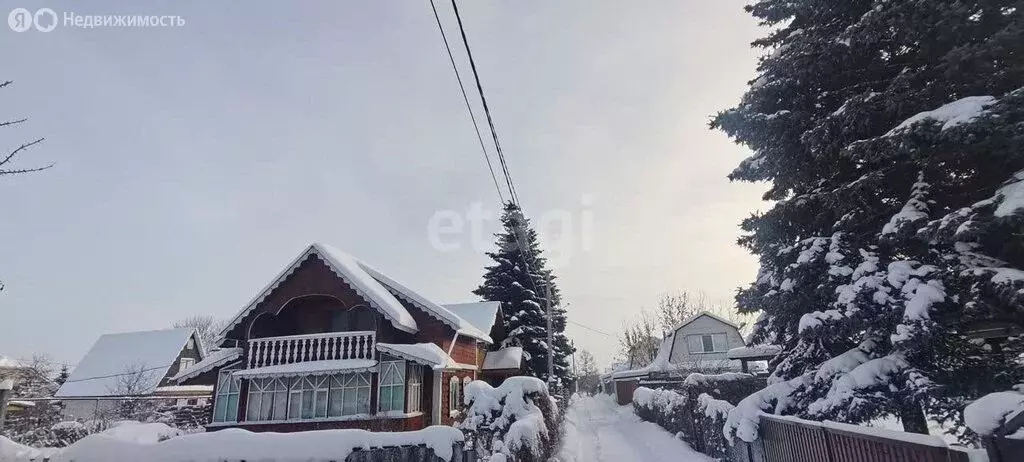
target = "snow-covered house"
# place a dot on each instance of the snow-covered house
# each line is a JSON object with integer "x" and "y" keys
{"x": 699, "y": 344}
{"x": 132, "y": 365}
{"x": 332, "y": 342}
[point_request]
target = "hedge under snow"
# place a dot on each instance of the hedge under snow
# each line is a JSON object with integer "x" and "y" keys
{"x": 139, "y": 443}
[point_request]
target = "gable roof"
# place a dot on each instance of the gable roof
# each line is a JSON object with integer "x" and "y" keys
{"x": 481, "y": 315}
{"x": 115, "y": 357}
{"x": 436, "y": 311}
{"x": 380, "y": 291}
{"x": 215, "y": 358}
{"x": 708, "y": 314}
{"x": 350, "y": 271}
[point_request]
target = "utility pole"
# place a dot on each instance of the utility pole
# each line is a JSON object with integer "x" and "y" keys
{"x": 551, "y": 334}
{"x": 575, "y": 374}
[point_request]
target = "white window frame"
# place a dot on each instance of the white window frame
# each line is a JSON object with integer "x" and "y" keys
{"x": 304, "y": 397}
{"x": 392, "y": 379}
{"x": 415, "y": 388}
{"x": 186, "y": 363}
{"x": 225, "y": 391}
{"x": 270, "y": 397}
{"x": 349, "y": 387}
{"x": 700, "y": 340}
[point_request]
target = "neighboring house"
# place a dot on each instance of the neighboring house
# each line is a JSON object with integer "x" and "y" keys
{"x": 699, "y": 344}
{"x": 333, "y": 343}
{"x": 131, "y": 365}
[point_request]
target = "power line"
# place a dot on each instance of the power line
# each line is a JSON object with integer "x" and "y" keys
{"x": 487, "y": 109}
{"x": 465, "y": 98}
{"x": 119, "y": 375}
{"x": 588, "y": 327}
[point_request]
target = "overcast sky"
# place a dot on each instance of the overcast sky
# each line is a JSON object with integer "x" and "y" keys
{"x": 194, "y": 162}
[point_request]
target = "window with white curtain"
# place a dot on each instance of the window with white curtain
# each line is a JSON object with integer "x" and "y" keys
{"x": 307, "y": 398}
{"x": 391, "y": 393}
{"x": 349, "y": 394}
{"x": 268, "y": 399}
{"x": 225, "y": 408}
{"x": 707, "y": 343}
{"x": 415, "y": 387}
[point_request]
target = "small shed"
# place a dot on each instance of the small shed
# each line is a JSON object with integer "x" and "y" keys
{"x": 753, "y": 353}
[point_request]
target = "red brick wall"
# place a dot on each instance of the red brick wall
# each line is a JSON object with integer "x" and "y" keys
{"x": 465, "y": 350}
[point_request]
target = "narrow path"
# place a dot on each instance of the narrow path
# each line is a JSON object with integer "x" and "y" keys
{"x": 597, "y": 429}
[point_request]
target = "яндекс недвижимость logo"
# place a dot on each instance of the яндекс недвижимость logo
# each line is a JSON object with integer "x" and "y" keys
{"x": 21, "y": 20}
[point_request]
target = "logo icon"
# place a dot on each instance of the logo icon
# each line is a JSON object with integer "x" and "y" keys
{"x": 20, "y": 19}
{"x": 40, "y": 18}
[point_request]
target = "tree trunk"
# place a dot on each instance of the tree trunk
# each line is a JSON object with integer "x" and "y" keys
{"x": 913, "y": 418}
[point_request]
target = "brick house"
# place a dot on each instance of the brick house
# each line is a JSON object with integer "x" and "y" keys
{"x": 333, "y": 343}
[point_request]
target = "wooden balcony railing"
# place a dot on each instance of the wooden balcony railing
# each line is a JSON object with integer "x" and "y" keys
{"x": 274, "y": 351}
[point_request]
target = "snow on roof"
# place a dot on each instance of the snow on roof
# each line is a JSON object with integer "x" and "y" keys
{"x": 505, "y": 358}
{"x": 309, "y": 368}
{"x": 661, "y": 360}
{"x": 755, "y": 351}
{"x": 184, "y": 389}
{"x": 481, "y": 315}
{"x": 708, "y": 314}
{"x": 213, "y": 359}
{"x": 437, "y": 311}
{"x": 424, "y": 353}
{"x": 988, "y": 414}
{"x": 378, "y": 289}
{"x": 349, "y": 270}
{"x": 143, "y": 356}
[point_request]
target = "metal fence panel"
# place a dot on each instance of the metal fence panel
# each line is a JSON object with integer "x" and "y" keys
{"x": 791, "y": 441}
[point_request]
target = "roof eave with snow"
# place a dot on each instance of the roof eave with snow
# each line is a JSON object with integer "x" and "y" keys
{"x": 385, "y": 303}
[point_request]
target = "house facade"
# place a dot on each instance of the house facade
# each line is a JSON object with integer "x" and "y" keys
{"x": 333, "y": 343}
{"x": 699, "y": 344}
{"x": 132, "y": 365}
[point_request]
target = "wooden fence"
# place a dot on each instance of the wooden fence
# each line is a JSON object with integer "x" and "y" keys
{"x": 786, "y": 439}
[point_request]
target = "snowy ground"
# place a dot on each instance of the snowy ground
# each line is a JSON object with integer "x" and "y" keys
{"x": 598, "y": 430}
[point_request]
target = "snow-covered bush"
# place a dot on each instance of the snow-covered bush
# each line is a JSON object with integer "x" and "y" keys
{"x": 518, "y": 420}
{"x": 698, "y": 410}
{"x": 665, "y": 408}
{"x": 709, "y": 416}
{"x": 148, "y": 442}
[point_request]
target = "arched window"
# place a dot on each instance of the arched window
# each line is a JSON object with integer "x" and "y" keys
{"x": 453, "y": 395}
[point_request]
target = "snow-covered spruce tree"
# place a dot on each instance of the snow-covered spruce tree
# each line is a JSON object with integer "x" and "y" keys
{"x": 517, "y": 280}
{"x": 891, "y": 134}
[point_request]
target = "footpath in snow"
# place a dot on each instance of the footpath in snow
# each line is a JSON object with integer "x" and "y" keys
{"x": 597, "y": 429}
